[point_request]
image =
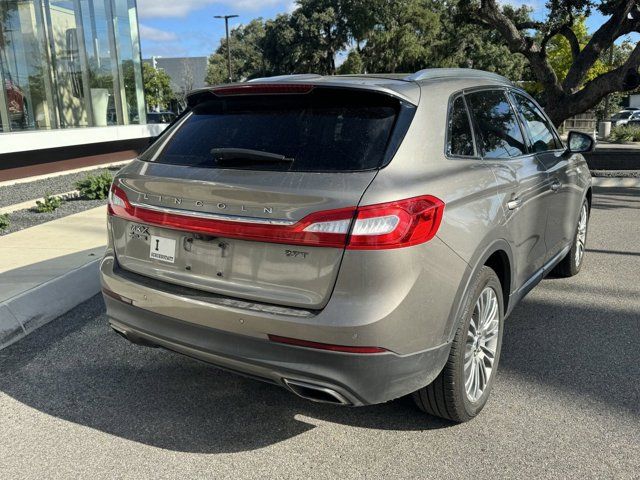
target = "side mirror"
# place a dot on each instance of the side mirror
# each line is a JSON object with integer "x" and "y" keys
{"x": 579, "y": 142}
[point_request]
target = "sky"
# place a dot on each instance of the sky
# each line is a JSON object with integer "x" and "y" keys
{"x": 180, "y": 28}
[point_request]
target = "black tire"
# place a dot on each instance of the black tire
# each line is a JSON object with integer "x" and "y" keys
{"x": 446, "y": 397}
{"x": 569, "y": 265}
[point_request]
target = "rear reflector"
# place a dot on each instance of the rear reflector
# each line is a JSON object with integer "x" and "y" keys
{"x": 262, "y": 89}
{"x": 383, "y": 226}
{"x": 325, "y": 346}
{"x": 112, "y": 294}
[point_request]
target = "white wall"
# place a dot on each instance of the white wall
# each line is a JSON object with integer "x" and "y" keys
{"x": 41, "y": 139}
{"x": 634, "y": 101}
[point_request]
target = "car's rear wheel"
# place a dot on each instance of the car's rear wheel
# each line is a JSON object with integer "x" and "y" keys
{"x": 572, "y": 263}
{"x": 461, "y": 390}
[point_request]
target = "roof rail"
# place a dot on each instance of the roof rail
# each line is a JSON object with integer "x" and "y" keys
{"x": 295, "y": 76}
{"x": 433, "y": 73}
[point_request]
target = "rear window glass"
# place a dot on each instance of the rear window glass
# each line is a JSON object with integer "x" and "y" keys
{"x": 324, "y": 130}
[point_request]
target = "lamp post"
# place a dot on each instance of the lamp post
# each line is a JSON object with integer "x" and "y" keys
{"x": 226, "y": 27}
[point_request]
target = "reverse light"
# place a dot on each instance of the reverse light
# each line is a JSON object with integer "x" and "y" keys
{"x": 396, "y": 224}
{"x": 388, "y": 225}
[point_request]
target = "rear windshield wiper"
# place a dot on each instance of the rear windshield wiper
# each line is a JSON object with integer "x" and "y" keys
{"x": 246, "y": 154}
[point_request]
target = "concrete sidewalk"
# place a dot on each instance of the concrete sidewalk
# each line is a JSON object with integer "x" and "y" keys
{"x": 48, "y": 269}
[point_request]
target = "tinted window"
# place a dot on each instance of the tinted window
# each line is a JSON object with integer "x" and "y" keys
{"x": 325, "y": 130}
{"x": 621, "y": 115}
{"x": 540, "y": 134}
{"x": 460, "y": 141}
{"x": 500, "y": 133}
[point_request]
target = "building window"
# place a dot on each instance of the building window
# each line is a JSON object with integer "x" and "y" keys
{"x": 69, "y": 63}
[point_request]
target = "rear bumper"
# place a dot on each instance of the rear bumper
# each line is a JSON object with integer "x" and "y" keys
{"x": 360, "y": 379}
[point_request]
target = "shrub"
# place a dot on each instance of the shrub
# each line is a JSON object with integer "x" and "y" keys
{"x": 48, "y": 204}
{"x": 624, "y": 134}
{"x": 95, "y": 187}
{"x": 4, "y": 221}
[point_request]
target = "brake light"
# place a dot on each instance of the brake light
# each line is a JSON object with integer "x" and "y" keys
{"x": 388, "y": 225}
{"x": 325, "y": 346}
{"x": 295, "y": 234}
{"x": 263, "y": 89}
{"x": 396, "y": 224}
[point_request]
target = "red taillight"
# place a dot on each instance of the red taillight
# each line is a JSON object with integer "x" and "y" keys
{"x": 295, "y": 234}
{"x": 388, "y": 225}
{"x": 262, "y": 89}
{"x": 396, "y": 224}
{"x": 326, "y": 346}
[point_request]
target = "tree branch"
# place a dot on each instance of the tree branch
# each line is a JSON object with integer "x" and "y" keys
{"x": 623, "y": 78}
{"x": 602, "y": 39}
{"x": 491, "y": 13}
{"x": 570, "y": 35}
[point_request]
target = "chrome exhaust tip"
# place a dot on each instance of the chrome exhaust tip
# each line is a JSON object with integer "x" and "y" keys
{"x": 135, "y": 339}
{"x": 315, "y": 393}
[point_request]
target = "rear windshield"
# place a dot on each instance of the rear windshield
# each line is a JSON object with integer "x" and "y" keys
{"x": 324, "y": 130}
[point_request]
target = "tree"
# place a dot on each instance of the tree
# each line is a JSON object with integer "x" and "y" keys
{"x": 576, "y": 92}
{"x": 247, "y": 56}
{"x": 157, "y": 87}
{"x": 352, "y": 65}
{"x": 403, "y": 38}
{"x": 465, "y": 45}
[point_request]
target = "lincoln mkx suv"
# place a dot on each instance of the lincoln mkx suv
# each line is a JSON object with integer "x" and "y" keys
{"x": 353, "y": 239}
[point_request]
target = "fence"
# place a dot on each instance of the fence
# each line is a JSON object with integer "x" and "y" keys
{"x": 583, "y": 122}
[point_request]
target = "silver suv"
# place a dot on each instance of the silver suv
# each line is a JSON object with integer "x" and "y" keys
{"x": 353, "y": 239}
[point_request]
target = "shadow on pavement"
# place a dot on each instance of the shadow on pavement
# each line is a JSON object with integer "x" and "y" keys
{"x": 591, "y": 353}
{"x": 84, "y": 373}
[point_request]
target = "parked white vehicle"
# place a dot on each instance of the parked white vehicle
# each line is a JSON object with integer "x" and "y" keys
{"x": 624, "y": 116}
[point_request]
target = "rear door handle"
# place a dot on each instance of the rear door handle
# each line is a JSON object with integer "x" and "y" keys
{"x": 513, "y": 204}
{"x": 555, "y": 185}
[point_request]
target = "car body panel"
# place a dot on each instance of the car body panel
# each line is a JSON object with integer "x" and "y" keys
{"x": 406, "y": 301}
{"x": 290, "y": 275}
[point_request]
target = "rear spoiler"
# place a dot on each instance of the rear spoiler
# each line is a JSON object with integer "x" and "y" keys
{"x": 281, "y": 88}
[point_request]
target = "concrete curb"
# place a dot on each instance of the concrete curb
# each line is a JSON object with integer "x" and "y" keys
{"x": 24, "y": 313}
{"x": 32, "y": 203}
{"x": 613, "y": 182}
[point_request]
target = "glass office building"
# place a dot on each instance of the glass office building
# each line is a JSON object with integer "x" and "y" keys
{"x": 69, "y": 64}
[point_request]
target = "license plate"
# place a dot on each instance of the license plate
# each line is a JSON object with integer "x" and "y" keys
{"x": 163, "y": 249}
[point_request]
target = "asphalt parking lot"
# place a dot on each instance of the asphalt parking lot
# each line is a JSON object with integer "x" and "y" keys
{"x": 78, "y": 401}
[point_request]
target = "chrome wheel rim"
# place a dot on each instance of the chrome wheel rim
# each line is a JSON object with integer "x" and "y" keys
{"x": 581, "y": 236}
{"x": 481, "y": 344}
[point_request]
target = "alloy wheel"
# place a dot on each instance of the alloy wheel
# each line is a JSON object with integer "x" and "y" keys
{"x": 581, "y": 236}
{"x": 481, "y": 344}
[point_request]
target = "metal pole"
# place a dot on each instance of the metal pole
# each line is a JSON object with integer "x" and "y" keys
{"x": 226, "y": 27}
{"x": 606, "y": 99}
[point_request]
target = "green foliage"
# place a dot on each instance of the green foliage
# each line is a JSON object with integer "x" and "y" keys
{"x": 95, "y": 187}
{"x": 404, "y": 39}
{"x": 48, "y": 204}
{"x": 378, "y": 36}
{"x": 559, "y": 50}
{"x": 247, "y": 57}
{"x": 624, "y": 134}
{"x": 352, "y": 65}
{"x": 4, "y": 222}
{"x": 157, "y": 87}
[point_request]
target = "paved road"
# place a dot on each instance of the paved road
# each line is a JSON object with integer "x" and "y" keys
{"x": 78, "y": 401}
